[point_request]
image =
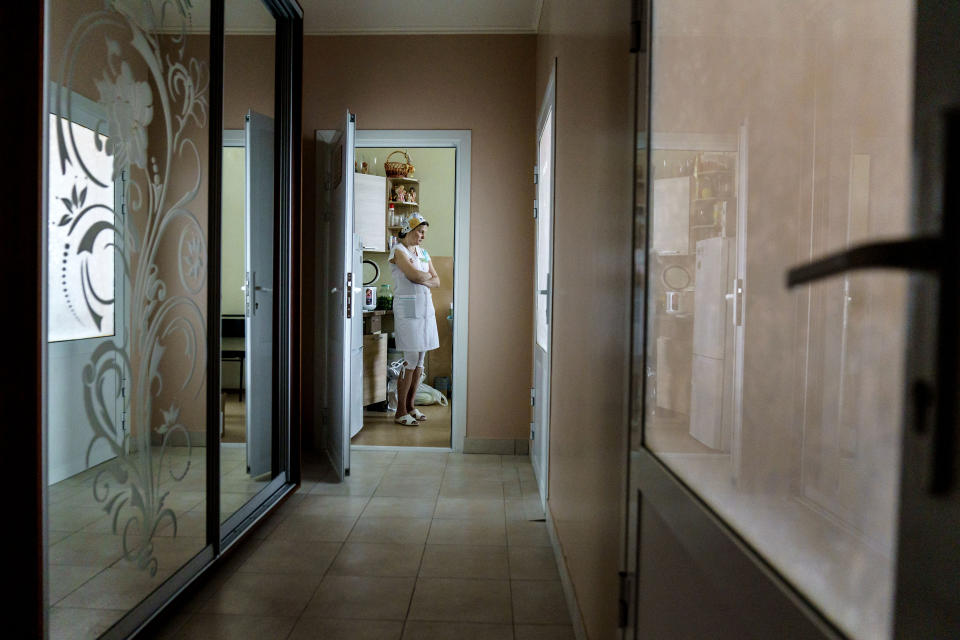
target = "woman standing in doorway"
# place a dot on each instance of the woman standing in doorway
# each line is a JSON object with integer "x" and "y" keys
{"x": 415, "y": 324}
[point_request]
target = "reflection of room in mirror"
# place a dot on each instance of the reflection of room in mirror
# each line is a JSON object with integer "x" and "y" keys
{"x": 781, "y": 408}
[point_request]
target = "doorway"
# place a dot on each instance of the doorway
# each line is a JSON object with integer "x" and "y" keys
{"x": 441, "y": 182}
{"x": 430, "y": 190}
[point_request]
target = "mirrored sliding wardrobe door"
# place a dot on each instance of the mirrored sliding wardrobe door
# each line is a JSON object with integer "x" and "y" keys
{"x": 126, "y": 229}
{"x": 248, "y": 215}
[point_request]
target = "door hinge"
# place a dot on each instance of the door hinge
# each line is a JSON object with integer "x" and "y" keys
{"x": 626, "y": 589}
{"x": 533, "y": 396}
{"x": 535, "y": 206}
{"x": 536, "y": 174}
{"x": 533, "y": 431}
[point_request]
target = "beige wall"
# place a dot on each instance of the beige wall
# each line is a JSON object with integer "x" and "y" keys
{"x": 481, "y": 83}
{"x": 591, "y": 331}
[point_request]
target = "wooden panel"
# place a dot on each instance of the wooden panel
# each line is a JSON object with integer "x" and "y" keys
{"x": 440, "y": 362}
{"x": 374, "y": 368}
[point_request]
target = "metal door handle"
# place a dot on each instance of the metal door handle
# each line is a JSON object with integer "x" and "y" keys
{"x": 921, "y": 253}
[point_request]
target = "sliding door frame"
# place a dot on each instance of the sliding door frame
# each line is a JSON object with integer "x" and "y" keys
{"x": 23, "y": 450}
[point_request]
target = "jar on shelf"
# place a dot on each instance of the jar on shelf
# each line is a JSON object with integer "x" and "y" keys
{"x": 384, "y": 298}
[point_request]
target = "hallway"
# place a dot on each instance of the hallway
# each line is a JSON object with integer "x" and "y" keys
{"x": 413, "y": 545}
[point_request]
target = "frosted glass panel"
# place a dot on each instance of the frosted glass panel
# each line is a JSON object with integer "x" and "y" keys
{"x": 780, "y": 133}
{"x": 80, "y": 242}
{"x": 126, "y": 222}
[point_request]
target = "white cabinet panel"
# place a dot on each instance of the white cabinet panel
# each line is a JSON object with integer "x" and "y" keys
{"x": 370, "y": 210}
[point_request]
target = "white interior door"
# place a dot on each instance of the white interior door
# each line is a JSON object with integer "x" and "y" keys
{"x": 258, "y": 223}
{"x": 337, "y": 150}
{"x": 355, "y": 321}
{"x": 543, "y": 307}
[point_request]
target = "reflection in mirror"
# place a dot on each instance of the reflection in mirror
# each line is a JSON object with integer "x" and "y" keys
{"x": 781, "y": 408}
{"x": 247, "y": 460}
{"x": 126, "y": 304}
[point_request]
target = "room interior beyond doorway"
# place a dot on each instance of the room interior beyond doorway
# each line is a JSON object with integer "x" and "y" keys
{"x": 429, "y": 189}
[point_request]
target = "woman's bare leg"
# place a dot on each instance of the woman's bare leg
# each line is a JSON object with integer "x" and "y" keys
{"x": 403, "y": 389}
{"x": 414, "y": 385}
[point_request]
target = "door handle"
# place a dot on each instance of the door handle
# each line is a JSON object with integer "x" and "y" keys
{"x": 921, "y": 253}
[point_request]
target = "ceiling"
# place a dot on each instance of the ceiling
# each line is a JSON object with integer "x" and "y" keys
{"x": 332, "y": 17}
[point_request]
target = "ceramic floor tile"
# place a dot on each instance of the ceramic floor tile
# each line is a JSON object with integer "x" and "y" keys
{"x": 543, "y": 632}
{"x": 468, "y": 532}
{"x": 370, "y": 598}
{"x": 539, "y": 602}
{"x": 457, "y": 600}
{"x": 424, "y": 630}
{"x": 400, "y": 471}
{"x": 333, "y": 506}
{"x": 421, "y": 458}
{"x": 408, "y": 488}
{"x": 116, "y": 588}
{"x": 462, "y": 561}
{"x": 66, "y": 517}
{"x": 469, "y": 508}
{"x": 368, "y": 559}
{"x": 492, "y": 489}
{"x": 533, "y": 563}
{"x": 64, "y": 579}
{"x": 81, "y": 624}
{"x": 527, "y": 534}
{"x": 473, "y": 458}
{"x": 319, "y": 528}
{"x": 87, "y": 549}
{"x": 390, "y": 530}
{"x": 263, "y": 594}
{"x": 489, "y": 473}
{"x": 291, "y": 556}
{"x": 235, "y": 627}
{"x": 400, "y": 508}
{"x": 514, "y": 508}
{"x": 331, "y": 629}
{"x": 350, "y": 487}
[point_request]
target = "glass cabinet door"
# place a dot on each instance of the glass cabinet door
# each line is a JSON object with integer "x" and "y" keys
{"x": 774, "y": 366}
{"x": 126, "y": 258}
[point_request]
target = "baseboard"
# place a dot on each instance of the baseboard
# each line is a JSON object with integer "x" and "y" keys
{"x": 579, "y": 632}
{"x": 501, "y": 446}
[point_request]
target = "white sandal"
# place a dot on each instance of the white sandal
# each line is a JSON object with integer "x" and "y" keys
{"x": 418, "y": 415}
{"x": 407, "y": 420}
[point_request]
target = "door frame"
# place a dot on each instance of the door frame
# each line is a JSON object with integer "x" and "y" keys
{"x": 548, "y": 107}
{"x": 460, "y": 140}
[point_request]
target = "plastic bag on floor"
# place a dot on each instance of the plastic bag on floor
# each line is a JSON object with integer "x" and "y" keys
{"x": 394, "y": 369}
{"x": 428, "y": 395}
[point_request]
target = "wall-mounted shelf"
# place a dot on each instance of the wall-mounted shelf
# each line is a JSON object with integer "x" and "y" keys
{"x": 408, "y": 204}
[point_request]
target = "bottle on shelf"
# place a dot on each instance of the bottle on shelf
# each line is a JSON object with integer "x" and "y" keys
{"x": 392, "y": 216}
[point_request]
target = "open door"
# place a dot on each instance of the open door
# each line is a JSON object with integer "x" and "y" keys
{"x": 543, "y": 306}
{"x": 258, "y": 223}
{"x": 335, "y": 150}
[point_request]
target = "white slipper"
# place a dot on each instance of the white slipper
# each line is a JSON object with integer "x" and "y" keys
{"x": 416, "y": 413}
{"x": 407, "y": 421}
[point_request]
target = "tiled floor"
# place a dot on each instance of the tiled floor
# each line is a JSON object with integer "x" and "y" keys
{"x": 413, "y": 545}
{"x": 380, "y": 429}
{"x": 92, "y": 584}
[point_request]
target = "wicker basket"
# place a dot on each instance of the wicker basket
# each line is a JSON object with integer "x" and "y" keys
{"x": 397, "y": 169}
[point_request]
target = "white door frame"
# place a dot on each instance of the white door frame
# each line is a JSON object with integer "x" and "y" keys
{"x": 542, "y": 397}
{"x": 458, "y": 139}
